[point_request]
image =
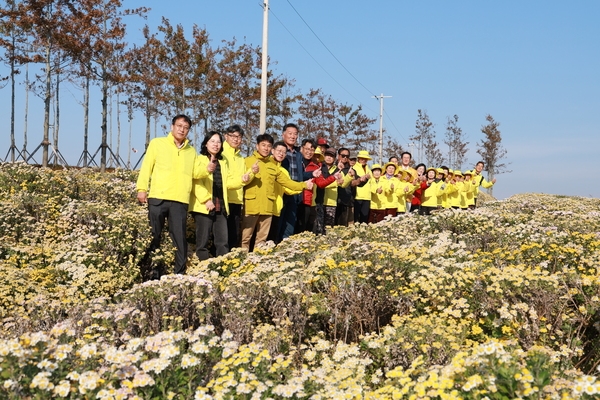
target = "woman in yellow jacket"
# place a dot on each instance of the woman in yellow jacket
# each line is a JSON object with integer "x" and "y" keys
{"x": 405, "y": 190}
{"x": 378, "y": 201}
{"x": 209, "y": 199}
{"x": 429, "y": 196}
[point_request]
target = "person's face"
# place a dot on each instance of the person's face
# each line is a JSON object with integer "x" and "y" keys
{"x": 308, "y": 151}
{"x": 405, "y": 160}
{"x": 234, "y": 139}
{"x": 214, "y": 145}
{"x": 180, "y": 130}
{"x": 479, "y": 168}
{"x": 439, "y": 175}
{"x": 467, "y": 177}
{"x": 344, "y": 156}
{"x": 279, "y": 153}
{"x": 431, "y": 174}
{"x": 323, "y": 148}
{"x": 421, "y": 170}
{"x": 264, "y": 148}
{"x": 290, "y": 136}
{"x": 394, "y": 160}
{"x": 376, "y": 173}
{"x": 352, "y": 162}
{"x": 390, "y": 170}
{"x": 329, "y": 159}
{"x": 362, "y": 161}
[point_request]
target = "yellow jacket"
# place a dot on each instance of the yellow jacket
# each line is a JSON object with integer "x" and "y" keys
{"x": 378, "y": 200}
{"x": 404, "y": 196}
{"x": 429, "y": 196}
{"x": 259, "y": 194}
{"x": 202, "y": 188}
{"x": 170, "y": 168}
{"x": 331, "y": 191}
{"x": 391, "y": 191}
{"x": 362, "y": 192}
{"x": 480, "y": 181}
{"x": 238, "y": 168}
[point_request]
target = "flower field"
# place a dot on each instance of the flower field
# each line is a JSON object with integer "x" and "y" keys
{"x": 500, "y": 303}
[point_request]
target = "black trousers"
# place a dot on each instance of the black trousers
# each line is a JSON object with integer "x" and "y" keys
{"x": 205, "y": 225}
{"x": 234, "y": 225}
{"x": 175, "y": 213}
{"x": 361, "y": 210}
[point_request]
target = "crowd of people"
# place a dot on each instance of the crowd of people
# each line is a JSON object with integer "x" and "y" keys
{"x": 281, "y": 189}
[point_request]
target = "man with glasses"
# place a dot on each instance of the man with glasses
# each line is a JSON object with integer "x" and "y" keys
{"x": 231, "y": 151}
{"x": 169, "y": 164}
{"x": 344, "y": 212}
{"x": 293, "y": 164}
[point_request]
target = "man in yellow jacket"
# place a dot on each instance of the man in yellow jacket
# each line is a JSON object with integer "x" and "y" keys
{"x": 231, "y": 152}
{"x": 480, "y": 180}
{"x": 259, "y": 194}
{"x": 169, "y": 163}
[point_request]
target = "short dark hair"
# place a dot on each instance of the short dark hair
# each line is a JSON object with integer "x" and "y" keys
{"x": 207, "y": 137}
{"x": 343, "y": 149}
{"x": 279, "y": 143}
{"x": 182, "y": 116}
{"x": 480, "y": 162}
{"x": 265, "y": 137}
{"x": 406, "y": 152}
{"x": 311, "y": 141}
{"x": 390, "y": 159}
{"x": 235, "y": 128}
{"x": 289, "y": 125}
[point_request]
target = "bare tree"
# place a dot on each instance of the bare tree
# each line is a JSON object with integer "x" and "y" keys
{"x": 490, "y": 149}
{"x": 424, "y": 139}
{"x": 455, "y": 140}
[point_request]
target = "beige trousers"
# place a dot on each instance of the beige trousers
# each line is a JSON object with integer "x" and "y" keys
{"x": 262, "y": 224}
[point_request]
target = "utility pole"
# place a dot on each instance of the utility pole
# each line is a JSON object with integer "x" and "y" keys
{"x": 263, "y": 76}
{"x": 380, "y": 98}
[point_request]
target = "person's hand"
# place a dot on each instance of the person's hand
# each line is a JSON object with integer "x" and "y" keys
{"x": 337, "y": 175}
{"x": 494, "y": 180}
{"x": 379, "y": 190}
{"x": 351, "y": 172}
{"x": 317, "y": 173}
{"x": 405, "y": 189}
{"x": 142, "y": 197}
{"x": 210, "y": 205}
{"x": 309, "y": 184}
{"x": 340, "y": 165}
{"x": 212, "y": 165}
{"x": 391, "y": 186}
{"x": 245, "y": 178}
{"x": 255, "y": 168}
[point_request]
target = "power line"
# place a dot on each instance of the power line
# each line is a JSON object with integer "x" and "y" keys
{"x": 330, "y": 52}
{"x": 315, "y": 60}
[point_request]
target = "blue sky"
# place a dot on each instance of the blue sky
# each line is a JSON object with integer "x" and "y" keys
{"x": 534, "y": 66}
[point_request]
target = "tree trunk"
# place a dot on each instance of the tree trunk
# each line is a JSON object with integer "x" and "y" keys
{"x": 86, "y": 113}
{"x": 12, "y": 102}
{"x": 47, "y": 98}
{"x": 104, "y": 144}
{"x": 26, "y": 112}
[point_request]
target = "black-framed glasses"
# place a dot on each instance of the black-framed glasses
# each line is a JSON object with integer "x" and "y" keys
{"x": 344, "y": 155}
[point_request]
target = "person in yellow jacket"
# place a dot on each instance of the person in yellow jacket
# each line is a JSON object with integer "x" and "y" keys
{"x": 470, "y": 189}
{"x": 480, "y": 180}
{"x": 449, "y": 190}
{"x": 362, "y": 200}
{"x": 429, "y": 195}
{"x": 378, "y": 197}
{"x": 259, "y": 194}
{"x": 405, "y": 190}
{"x": 278, "y": 153}
{"x": 392, "y": 188}
{"x": 457, "y": 195}
{"x": 330, "y": 195}
{"x": 170, "y": 164}
{"x": 231, "y": 152}
{"x": 209, "y": 199}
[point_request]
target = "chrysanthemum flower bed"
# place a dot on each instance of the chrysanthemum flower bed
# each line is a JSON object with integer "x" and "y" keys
{"x": 500, "y": 303}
